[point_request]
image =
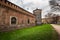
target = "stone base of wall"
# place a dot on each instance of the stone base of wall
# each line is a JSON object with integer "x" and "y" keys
{"x": 4, "y": 28}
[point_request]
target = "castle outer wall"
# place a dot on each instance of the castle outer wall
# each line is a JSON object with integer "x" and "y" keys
{"x": 12, "y": 16}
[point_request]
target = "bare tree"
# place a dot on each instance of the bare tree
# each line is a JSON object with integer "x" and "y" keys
{"x": 55, "y": 5}
{"x": 49, "y": 15}
{"x": 53, "y": 18}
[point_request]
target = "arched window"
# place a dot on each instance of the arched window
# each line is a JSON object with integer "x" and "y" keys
{"x": 13, "y": 20}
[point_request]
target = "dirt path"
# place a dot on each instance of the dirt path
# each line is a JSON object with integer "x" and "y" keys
{"x": 57, "y": 28}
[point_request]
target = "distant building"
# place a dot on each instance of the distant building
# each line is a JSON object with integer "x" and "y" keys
{"x": 37, "y": 13}
{"x": 47, "y": 20}
{"x": 54, "y": 20}
{"x": 58, "y": 22}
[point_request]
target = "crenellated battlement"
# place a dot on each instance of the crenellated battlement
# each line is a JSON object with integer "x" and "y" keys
{"x": 7, "y": 3}
{"x": 15, "y": 7}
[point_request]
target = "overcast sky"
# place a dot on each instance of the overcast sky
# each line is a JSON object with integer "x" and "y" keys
{"x": 31, "y": 5}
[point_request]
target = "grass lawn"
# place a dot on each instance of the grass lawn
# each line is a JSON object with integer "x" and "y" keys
{"x": 43, "y": 32}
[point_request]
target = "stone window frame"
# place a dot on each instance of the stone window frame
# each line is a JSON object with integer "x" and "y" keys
{"x": 16, "y": 20}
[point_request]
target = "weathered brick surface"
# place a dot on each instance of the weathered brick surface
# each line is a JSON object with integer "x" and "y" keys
{"x": 9, "y": 10}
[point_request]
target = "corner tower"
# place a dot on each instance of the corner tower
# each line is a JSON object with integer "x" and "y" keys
{"x": 37, "y": 13}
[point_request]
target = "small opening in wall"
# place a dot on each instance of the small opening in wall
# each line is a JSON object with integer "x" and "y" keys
{"x": 28, "y": 21}
{"x": 13, "y": 20}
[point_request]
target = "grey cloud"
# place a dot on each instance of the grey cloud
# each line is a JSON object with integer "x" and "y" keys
{"x": 33, "y": 4}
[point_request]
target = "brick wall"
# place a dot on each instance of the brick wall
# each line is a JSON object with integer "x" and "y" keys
{"x": 21, "y": 15}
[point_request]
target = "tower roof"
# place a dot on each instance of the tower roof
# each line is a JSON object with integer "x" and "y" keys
{"x": 37, "y": 9}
